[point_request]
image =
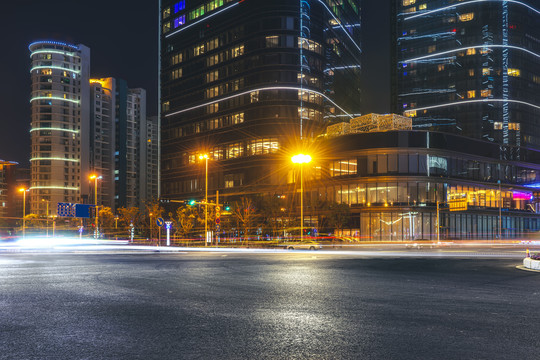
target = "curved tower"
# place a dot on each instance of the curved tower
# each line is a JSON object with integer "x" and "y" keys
{"x": 60, "y": 114}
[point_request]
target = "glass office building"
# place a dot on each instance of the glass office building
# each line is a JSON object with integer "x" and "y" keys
{"x": 471, "y": 68}
{"x": 243, "y": 80}
{"x": 393, "y": 180}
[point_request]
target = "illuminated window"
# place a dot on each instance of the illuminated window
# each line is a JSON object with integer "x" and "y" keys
{"x": 514, "y": 72}
{"x": 254, "y": 96}
{"x": 212, "y": 60}
{"x": 234, "y": 150}
{"x": 471, "y": 72}
{"x": 422, "y": 7}
{"x": 410, "y": 113}
{"x": 196, "y": 13}
{"x": 237, "y": 51}
{"x": 486, "y": 71}
{"x": 46, "y": 72}
{"x": 165, "y": 106}
{"x": 198, "y": 50}
{"x": 536, "y": 79}
{"x": 214, "y": 4}
{"x": 262, "y": 146}
{"x": 440, "y": 67}
{"x": 410, "y": 10}
{"x": 176, "y": 59}
{"x": 471, "y": 94}
{"x": 166, "y": 12}
{"x": 497, "y": 125}
{"x": 179, "y": 21}
{"x": 408, "y": 2}
{"x": 212, "y": 44}
{"x": 485, "y": 93}
{"x": 212, "y": 76}
{"x": 176, "y": 74}
{"x": 310, "y": 45}
{"x": 471, "y": 51}
{"x": 212, "y": 92}
{"x": 237, "y": 118}
{"x": 179, "y": 6}
{"x": 343, "y": 167}
{"x": 514, "y": 126}
{"x": 166, "y": 27}
{"x": 466, "y": 17}
{"x": 431, "y": 48}
{"x": 272, "y": 41}
{"x": 212, "y": 108}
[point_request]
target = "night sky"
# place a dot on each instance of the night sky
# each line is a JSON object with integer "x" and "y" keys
{"x": 122, "y": 36}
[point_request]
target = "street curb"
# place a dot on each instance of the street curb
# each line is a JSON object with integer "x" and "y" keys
{"x": 523, "y": 268}
{"x": 531, "y": 264}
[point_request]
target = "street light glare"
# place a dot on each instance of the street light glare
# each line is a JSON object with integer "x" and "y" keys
{"x": 203, "y": 156}
{"x": 301, "y": 159}
{"x": 22, "y": 189}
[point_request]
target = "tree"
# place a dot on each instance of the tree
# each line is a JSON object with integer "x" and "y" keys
{"x": 154, "y": 211}
{"x": 106, "y": 218}
{"x": 338, "y": 215}
{"x": 128, "y": 216}
{"x": 185, "y": 219}
{"x": 273, "y": 213}
{"x": 245, "y": 215}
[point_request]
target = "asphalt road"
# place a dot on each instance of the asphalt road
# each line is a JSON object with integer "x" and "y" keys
{"x": 265, "y": 306}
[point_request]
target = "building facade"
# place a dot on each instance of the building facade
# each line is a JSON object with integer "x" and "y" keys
{"x": 470, "y": 67}
{"x": 8, "y": 189}
{"x": 60, "y": 124}
{"x": 242, "y": 80}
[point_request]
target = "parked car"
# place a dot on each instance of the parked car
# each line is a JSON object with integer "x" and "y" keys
{"x": 301, "y": 245}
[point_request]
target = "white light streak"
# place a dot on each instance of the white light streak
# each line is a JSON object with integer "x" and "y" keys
{"x": 54, "y": 67}
{"x": 53, "y": 52}
{"x": 339, "y": 23}
{"x": 483, "y": 46}
{"x": 54, "y": 187}
{"x": 474, "y": 101}
{"x": 53, "y": 98}
{"x": 55, "y": 129}
{"x": 259, "y": 89}
{"x": 54, "y": 158}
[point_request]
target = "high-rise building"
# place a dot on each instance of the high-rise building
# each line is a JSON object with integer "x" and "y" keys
{"x": 242, "y": 80}
{"x": 82, "y": 126}
{"x": 102, "y": 135}
{"x": 8, "y": 189}
{"x": 470, "y": 67}
{"x": 60, "y": 123}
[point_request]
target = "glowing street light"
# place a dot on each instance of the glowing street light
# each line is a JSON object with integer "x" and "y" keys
{"x": 301, "y": 159}
{"x": 205, "y": 158}
{"x": 96, "y": 177}
{"x": 24, "y": 190}
{"x": 47, "y": 215}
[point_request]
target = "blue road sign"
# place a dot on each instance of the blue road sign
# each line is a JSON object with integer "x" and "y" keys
{"x": 160, "y": 222}
{"x": 83, "y": 210}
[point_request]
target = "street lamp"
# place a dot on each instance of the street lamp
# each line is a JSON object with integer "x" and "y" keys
{"x": 301, "y": 159}
{"x": 205, "y": 158}
{"x": 95, "y": 177}
{"x": 24, "y": 190}
{"x": 47, "y": 216}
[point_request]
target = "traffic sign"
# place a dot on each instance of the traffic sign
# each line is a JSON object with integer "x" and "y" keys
{"x": 160, "y": 222}
{"x": 218, "y": 220}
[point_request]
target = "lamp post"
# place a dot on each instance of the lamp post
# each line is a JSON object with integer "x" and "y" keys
{"x": 47, "y": 216}
{"x": 96, "y": 178}
{"x": 24, "y": 190}
{"x": 301, "y": 159}
{"x": 205, "y": 158}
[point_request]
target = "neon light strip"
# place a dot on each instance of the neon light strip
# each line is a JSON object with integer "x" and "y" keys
{"x": 54, "y": 67}
{"x": 471, "y": 2}
{"x": 53, "y": 158}
{"x": 203, "y": 19}
{"x": 474, "y": 101}
{"x": 53, "y": 43}
{"x": 54, "y": 187}
{"x": 470, "y": 47}
{"x": 339, "y": 23}
{"x": 56, "y": 129}
{"x": 54, "y": 98}
{"x": 258, "y": 89}
{"x": 344, "y": 67}
{"x": 53, "y": 52}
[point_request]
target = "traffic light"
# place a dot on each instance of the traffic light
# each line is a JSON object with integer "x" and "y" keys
{"x": 227, "y": 207}
{"x": 191, "y": 202}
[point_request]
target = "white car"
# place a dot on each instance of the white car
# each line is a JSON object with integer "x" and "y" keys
{"x": 302, "y": 245}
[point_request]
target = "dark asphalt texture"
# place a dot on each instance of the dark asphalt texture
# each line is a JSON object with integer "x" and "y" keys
{"x": 277, "y": 306}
